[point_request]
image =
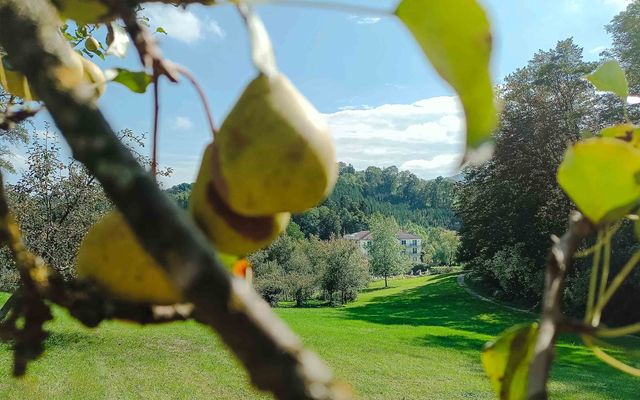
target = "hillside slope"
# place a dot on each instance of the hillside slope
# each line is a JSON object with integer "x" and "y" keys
{"x": 359, "y": 194}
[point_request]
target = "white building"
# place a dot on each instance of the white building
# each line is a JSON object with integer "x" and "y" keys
{"x": 412, "y": 243}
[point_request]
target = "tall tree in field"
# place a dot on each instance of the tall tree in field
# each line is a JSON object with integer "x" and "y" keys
{"x": 515, "y": 197}
{"x": 386, "y": 254}
{"x": 625, "y": 32}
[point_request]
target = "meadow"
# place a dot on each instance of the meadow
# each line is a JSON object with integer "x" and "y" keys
{"x": 418, "y": 339}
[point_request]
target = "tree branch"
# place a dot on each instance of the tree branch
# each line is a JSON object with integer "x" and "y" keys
{"x": 272, "y": 354}
{"x": 558, "y": 264}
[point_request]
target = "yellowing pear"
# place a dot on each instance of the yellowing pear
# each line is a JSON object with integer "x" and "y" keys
{"x": 229, "y": 232}
{"x": 274, "y": 151}
{"x": 111, "y": 256}
{"x": 68, "y": 75}
{"x": 91, "y": 44}
{"x": 14, "y": 83}
{"x": 82, "y": 11}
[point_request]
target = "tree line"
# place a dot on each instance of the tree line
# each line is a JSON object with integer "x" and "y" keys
{"x": 511, "y": 206}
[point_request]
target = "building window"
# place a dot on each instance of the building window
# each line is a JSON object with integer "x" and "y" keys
{"x": 415, "y": 242}
{"x": 404, "y": 242}
{"x": 415, "y": 250}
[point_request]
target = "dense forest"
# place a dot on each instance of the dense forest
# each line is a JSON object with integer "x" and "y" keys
{"x": 547, "y": 106}
{"x": 360, "y": 194}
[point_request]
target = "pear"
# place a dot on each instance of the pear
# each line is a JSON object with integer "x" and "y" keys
{"x": 91, "y": 44}
{"x": 229, "y": 232}
{"x": 274, "y": 151}
{"x": 68, "y": 75}
{"x": 111, "y": 256}
{"x": 14, "y": 83}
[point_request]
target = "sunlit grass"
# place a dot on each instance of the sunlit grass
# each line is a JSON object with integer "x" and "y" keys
{"x": 418, "y": 339}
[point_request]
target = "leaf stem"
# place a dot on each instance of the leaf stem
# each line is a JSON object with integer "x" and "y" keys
{"x": 603, "y": 356}
{"x": 156, "y": 114}
{"x": 203, "y": 98}
{"x": 593, "y": 279}
{"x": 617, "y": 282}
{"x": 619, "y": 331}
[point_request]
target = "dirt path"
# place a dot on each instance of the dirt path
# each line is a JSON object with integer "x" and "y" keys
{"x": 475, "y": 294}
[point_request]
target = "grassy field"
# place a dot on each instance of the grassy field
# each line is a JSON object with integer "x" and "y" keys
{"x": 419, "y": 339}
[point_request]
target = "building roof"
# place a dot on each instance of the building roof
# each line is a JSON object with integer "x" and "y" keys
{"x": 366, "y": 235}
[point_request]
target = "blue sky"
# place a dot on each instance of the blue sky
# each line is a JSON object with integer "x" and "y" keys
{"x": 363, "y": 72}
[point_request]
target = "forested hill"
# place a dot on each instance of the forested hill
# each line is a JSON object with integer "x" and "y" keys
{"x": 359, "y": 194}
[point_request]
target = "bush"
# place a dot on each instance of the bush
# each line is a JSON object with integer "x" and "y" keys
{"x": 516, "y": 275}
{"x": 444, "y": 270}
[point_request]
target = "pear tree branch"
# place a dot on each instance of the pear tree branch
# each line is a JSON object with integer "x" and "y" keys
{"x": 552, "y": 320}
{"x": 273, "y": 355}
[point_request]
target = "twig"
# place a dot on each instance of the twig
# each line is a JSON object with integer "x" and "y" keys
{"x": 9, "y": 119}
{"x": 156, "y": 120}
{"x": 558, "y": 264}
{"x": 203, "y": 98}
{"x": 150, "y": 54}
{"x": 272, "y": 354}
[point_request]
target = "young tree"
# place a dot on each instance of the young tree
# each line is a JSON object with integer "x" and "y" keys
{"x": 345, "y": 269}
{"x": 386, "y": 254}
{"x": 300, "y": 278}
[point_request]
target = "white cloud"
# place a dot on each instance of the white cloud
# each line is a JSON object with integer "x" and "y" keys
{"x": 439, "y": 162}
{"x": 364, "y": 20}
{"x": 182, "y": 123}
{"x": 182, "y": 24}
{"x": 425, "y": 137}
{"x": 214, "y": 27}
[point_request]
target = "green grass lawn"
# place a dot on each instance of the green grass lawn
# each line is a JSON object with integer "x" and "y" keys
{"x": 419, "y": 339}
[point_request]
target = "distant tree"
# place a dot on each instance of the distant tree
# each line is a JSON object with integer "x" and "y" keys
{"x": 439, "y": 246}
{"x": 328, "y": 223}
{"x": 269, "y": 281}
{"x": 446, "y": 247}
{"x": 625, "y": 32}
{"x": 181, "y": 193}
{"x": 345, "y": 269}
{"x": 386, "y": 254}
{"x": 300, "y": 278}
{"x": 56, "y": 201}
{"x": 294, "y": 231}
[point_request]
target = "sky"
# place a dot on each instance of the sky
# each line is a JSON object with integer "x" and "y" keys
{"x": 362, "y": 71}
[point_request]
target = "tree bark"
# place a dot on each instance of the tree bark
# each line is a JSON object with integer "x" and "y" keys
{"x": 273, "y": 355}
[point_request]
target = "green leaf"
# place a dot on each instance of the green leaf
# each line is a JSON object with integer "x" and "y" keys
{"x": 610, "y": 77}
{"x": 161, "y": 30}
{"x": 136, "y": 81}
{"x": 506, "y": 360}
{"x": 455, "y": 36}
{"x": 601, "y": 176}
{"x": 621, "y": 131}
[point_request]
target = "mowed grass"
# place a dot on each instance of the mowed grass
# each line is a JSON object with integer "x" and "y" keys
{"x": 418, "y": 339}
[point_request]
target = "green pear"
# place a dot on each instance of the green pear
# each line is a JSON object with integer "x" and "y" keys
{"x": 274, "y": 151}
{"x": 229, "y": 232}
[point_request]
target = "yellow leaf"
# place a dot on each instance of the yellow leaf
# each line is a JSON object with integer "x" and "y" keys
{"x": 455, "y": 35}
{"x": 506, "y": 361}
{"x": 600, "y": 175}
